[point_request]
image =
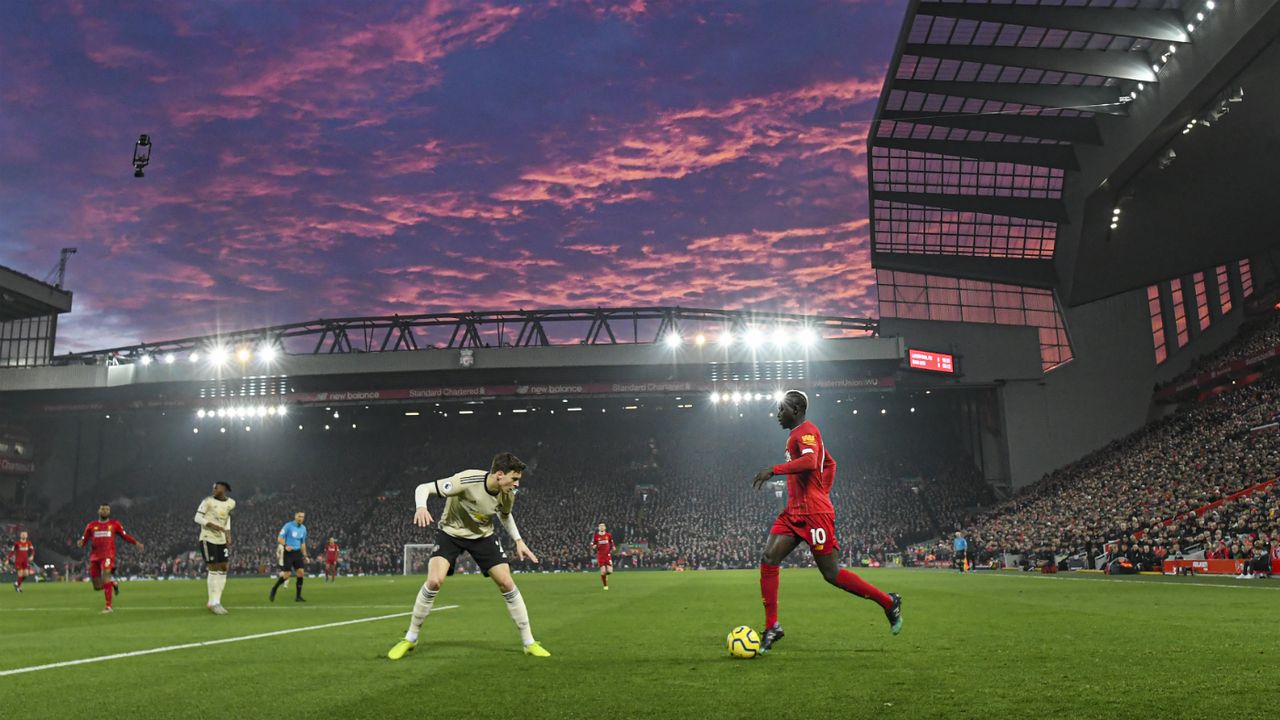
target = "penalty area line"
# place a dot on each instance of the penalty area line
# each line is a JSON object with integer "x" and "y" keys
{"x": 207, "y": 643}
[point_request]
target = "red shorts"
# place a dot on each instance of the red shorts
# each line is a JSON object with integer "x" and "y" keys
{"x": 817, "y": 530}
{"x": 602, "y": 560}
{"x": 97, "y": 565}
{"x": 21, "y": 565}
{"x": 328, "y": 561}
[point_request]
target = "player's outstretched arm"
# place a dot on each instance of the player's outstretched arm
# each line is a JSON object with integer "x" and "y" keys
{"x": 761, "y": 478}
{"x": 422, "y": 516}
{"x": 524, "y": 553}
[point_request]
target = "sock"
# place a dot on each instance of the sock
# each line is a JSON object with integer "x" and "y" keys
{"x": 217, "y": 581}
{"x": 299, "y": 588}
{"x": 279, "y": 582}
{"x": 604, "y": 579}
{"x": 106, "y": 590}
{"x": 421, "y": 609}
{"x": 519, "y": 615}
{"x": 851, "y": 583}
{"x": 769, "y": 593}
{"x": 20, "y": 578}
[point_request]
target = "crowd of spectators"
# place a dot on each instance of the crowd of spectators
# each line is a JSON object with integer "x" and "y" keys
{"x": 1255, "y": 335}
{"x": 1119, "y": 498}
{"x": 674, "y": 490}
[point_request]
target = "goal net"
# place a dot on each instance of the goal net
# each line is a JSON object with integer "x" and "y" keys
{"x": 416, "y": 557}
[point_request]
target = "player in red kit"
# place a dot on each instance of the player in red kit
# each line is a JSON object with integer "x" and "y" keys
{"x": 23, "y": 556}
{"x": 331, "y": 560}
{"x": 808, "y": 517}
{"x": 602, "y": 541}
{"x": 101, "y": 533}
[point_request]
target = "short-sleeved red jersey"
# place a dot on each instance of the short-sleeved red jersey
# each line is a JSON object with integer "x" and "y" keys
{"x": 810, "y": 472}
{"x": 331, "y": 553}
{"x": 102, "y": 534}
{"x": 22, "y": 552}
{"x": 603, "y": 542}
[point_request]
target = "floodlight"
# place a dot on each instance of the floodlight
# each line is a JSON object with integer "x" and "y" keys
{"x": 672, "y": 339}
{"x": 715, "y": 397}
{"x": 807, "y": 337}
{"x": 243, "y": 355}
{"x": 169, "y": 358}
{"x": 754, "y": 337}
{"x": 726, "y": 338}
{"x": 146, "y": 360}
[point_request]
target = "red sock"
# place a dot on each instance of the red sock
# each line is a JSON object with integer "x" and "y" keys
{"x": 850, "y": 582}
{"x": 19, "y": 579}
{"x": 769, "y": 593}
{"x": 106, "y": 590}
{"x": 604, "y": 579}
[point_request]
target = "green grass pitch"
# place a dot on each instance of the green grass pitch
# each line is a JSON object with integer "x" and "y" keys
{"x": 973, "y": 646}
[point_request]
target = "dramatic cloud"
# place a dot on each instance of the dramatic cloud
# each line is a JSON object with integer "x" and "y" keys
{"x": 320, "y": 159}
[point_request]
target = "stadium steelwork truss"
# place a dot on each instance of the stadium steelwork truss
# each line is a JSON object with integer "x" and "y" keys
{"x": 975, "y": 135}
{"x": 518, "y": 328}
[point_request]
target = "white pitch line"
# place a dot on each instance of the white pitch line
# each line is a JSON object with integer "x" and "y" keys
{"x": 207, "y": 643}
{"x": 281, "y": 608}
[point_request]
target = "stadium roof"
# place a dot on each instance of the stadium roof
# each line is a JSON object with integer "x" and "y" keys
{"x": 22, "y": 296}
{"x": 1007, "y": 132}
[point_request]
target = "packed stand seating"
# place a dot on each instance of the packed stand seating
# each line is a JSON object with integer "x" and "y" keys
{"x": 1201, "y": 453}
{"x": 1255, "y": 335}
{"x": 674, "y": 491}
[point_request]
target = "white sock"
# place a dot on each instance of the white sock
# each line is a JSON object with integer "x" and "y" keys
{"x": 217, "y": 581}
{"x": 421, "y": 609}
{"x": 519, "y": 615}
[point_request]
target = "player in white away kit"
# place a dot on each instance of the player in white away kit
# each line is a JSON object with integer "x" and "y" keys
{"x": 214, "y": 518}
{"x": 466, "y": 525}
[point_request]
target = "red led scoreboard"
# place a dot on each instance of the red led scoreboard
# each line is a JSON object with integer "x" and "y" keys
{"x": 931, "y": 361}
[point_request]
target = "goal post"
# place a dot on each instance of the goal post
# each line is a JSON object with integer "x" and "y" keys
{"x": 416, "y": 556}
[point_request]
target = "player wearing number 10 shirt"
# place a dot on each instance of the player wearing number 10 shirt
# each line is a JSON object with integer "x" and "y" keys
{"x": 809, "y": 517}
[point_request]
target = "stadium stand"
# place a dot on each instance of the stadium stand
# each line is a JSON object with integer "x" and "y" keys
{"x": 672, "y": 497}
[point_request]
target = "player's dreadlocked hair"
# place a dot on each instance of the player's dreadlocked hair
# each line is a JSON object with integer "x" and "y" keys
{"x": 507, "y": 462}
{"x": 797, "y": 400}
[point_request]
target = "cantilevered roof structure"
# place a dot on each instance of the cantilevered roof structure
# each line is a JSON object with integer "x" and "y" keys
{"x": 1010, "y": 132}
{"x": 29, "y": 312}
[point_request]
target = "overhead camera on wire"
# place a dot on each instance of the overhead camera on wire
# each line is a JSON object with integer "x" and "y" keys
{"x": 141, "y": 154}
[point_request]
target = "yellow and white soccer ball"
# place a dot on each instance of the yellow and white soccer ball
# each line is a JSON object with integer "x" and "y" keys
{"x": 743, "y": 642}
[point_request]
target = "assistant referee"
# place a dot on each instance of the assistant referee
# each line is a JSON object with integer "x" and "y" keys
{"x": 293, "y": 538}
